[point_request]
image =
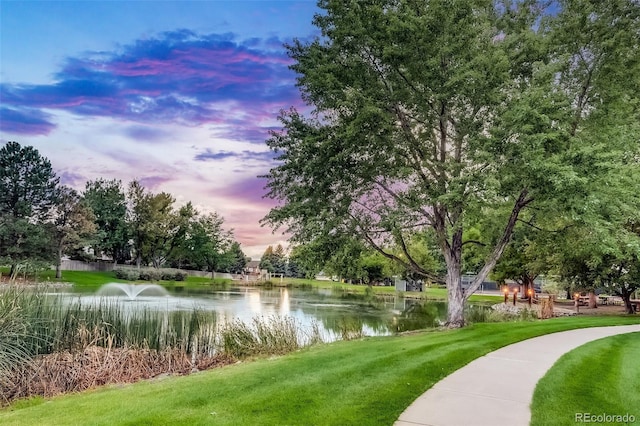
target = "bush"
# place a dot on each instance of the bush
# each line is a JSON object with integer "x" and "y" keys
{"x": 150, "y": 274}
{"x": 173, "y": 275}
{"x": 127, "y": 274}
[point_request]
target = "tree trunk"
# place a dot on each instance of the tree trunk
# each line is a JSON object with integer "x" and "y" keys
{"x": 592, "y": 300}
{"x": 59, "y": 264}
{"x": 455, "y": 299}
{"x": 626, "y": 296}
{"x": 455, "y": 292}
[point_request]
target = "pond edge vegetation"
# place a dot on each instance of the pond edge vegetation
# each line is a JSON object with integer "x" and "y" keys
{"x": 48, "y": 346}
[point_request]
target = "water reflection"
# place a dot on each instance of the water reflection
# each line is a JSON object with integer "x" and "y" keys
{"x": 420, "y": 315}
{"x": 336, "y": 314}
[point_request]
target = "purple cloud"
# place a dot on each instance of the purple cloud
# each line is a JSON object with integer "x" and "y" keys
{"x": 153, "y": 182}
{"x": 26, "y": 121}
{"x": 252, "y": 190}
{"x": 209, "y": 155}
{"x": 72, "y": 179}
{"x": 176, "y": 77}
{"x": 145, "y": 133}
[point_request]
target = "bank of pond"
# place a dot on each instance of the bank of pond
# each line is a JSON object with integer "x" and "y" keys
{"x": 56, "y": 340}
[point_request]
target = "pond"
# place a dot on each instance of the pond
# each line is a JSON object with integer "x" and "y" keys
{"x": 332, "y": 311}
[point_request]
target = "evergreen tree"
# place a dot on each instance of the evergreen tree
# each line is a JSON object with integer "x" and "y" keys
{"x": 28, "y": 190}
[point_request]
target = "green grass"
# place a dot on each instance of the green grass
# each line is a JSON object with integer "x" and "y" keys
{"x": 601, "y": 377}
{"x": 431, "y": 293}
{"x": 81, "y": 278}
{"x": 369, "y": 381}
{"x": 94, "y": 279}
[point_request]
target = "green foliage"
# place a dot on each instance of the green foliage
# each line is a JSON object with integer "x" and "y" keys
{"x": 274, "y": 335}
{"x": 210, "y": 243}
{"x": 274, "y": 260}
{"x": 428, "y": 116}
{"x": 106, "y": 198}
{"x": 237, "y": 260}
{"x": 72, "y": 223}
{"x": 37, "y": 323}
{"x": 24, "y": 243}
{"x": 28, "y": 189}
{"x": 152, "y": 221}
{"x": 150, "y": 274}
{"x": 14, "y": 332}
{"x": 27, "y": 182}
{"x": 128, "y": 274}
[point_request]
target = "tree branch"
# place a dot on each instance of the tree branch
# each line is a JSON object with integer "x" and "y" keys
{"x": 520, "y": 204}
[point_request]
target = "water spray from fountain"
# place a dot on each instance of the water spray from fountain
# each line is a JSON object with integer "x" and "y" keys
{"x": 132, "y": 291}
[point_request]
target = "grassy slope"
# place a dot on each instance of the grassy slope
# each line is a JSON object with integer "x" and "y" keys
{"x": 370, "y": 381}
{"x": 601, "y": 377}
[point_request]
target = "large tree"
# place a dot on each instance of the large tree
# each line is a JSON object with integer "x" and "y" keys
{"x": 106, "y": 198}
{"x": 274, "y": 260}
{"x": 28, "y": 188}
{"x": 427, "y": 114}
{"x": 72, "y": 224}
{"x": 210, "y": 243}
{"x": 153, "y": 223}
{"x": 237, "y": 260}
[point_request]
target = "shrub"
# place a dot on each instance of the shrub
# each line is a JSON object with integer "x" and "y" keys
{"x": 173, "y": 275}
{"x": 150, "y": 274}
{"x": 127, "y": 274}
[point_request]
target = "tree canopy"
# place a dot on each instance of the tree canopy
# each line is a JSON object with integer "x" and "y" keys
{"x": 41, "y": 220}
{"x": 108, "y": 201}
{"x": 428, "y": 115}
{"x": 28, "y": 190}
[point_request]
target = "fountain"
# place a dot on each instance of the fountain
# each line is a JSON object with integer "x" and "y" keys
{"x": 131, "y": 290}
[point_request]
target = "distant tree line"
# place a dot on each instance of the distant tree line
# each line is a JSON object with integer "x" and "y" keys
{"x": 41, "y": 221}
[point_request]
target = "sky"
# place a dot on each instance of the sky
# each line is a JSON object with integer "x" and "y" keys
{"x": 179, "y": 95}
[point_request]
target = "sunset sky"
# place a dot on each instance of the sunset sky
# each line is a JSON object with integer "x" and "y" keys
{"x": 177, "y": 94}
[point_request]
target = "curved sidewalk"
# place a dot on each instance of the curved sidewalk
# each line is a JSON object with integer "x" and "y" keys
{"x": 497, "y": 389}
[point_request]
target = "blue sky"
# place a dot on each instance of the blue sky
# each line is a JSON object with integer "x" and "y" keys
{"x": 177, "y": 94}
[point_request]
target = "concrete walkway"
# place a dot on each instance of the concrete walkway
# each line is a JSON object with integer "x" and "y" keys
{"x": 497, "y": 389}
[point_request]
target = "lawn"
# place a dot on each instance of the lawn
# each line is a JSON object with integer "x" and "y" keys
{"x": 93, "y": 280}
{"x": 598, "y": 378}
{"x": 369, "y": 381}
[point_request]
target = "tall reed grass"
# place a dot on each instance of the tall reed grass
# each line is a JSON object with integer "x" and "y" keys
{"x": 49, "y": 344}
{"x": 14, "y": 348}
{"x": 273, "y": 335}
{"x": 37, "y": 327}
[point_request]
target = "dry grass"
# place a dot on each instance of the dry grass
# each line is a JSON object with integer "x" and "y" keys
{"x": 63, "y": 372}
